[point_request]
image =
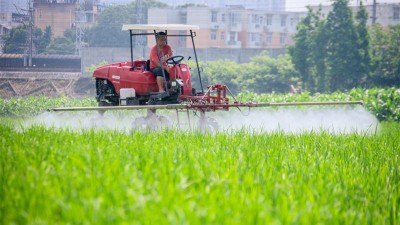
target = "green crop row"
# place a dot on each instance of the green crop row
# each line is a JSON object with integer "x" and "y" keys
{"x": 34, "y": 105}
{"x": 383, "y": 103}
{"x": 55, "y": 176}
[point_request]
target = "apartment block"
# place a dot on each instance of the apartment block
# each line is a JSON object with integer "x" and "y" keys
{"x": 268, "y": 5}
{"x": 386, "y": 14}
{"x": 61, "y": 15}
{"x": 232, "y": 27}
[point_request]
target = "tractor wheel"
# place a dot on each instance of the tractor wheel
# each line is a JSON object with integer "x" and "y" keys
{"x": 106, "y": 95}
{"x": 208, "y": 124}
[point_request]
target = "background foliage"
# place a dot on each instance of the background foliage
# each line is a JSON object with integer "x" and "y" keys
{"x": 340, "y": 52}
{"x": 333, "y": 53}
{"x": 107, "y": 30}
{"x": 16, "y": 40}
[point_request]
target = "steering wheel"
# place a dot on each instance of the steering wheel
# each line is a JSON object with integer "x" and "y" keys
{"x": 175, "y": 59}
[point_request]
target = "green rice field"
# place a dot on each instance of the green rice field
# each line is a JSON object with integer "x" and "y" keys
{"x": 54, "y": 169}
{"x": 66, "y": 176}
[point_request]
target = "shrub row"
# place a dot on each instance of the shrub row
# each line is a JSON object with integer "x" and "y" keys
{"x": 34, "y": 105}
{"x": 383, "y": 103}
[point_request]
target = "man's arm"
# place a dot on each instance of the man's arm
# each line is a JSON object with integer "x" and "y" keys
{"x": 154, "y": 57}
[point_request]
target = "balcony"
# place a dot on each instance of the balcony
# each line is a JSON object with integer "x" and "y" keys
{"x": 234, "y": 27}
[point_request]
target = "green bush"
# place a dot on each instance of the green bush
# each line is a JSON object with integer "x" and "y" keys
{"x": 33, "y": 105}
{"x": 383, "y": 103}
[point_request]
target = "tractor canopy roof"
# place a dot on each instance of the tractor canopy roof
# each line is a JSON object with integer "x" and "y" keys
{"x": 127, "y": 27}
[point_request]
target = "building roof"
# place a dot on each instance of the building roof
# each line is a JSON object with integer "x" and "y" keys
{"x": 38, "y": 56}
{"x": 127, "y": 27}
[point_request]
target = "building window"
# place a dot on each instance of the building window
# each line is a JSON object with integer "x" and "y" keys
{"x": 223, "y": 17}
{"x": 213, "y": 35}
{"x": 254, "y": 37}
{"x": 283, "y": 21}
{"x": 182, "y": 39}
{"x": 234, "y": 18}
{"x": 214, "y": 16}
{"x": 269, "y": 20}
{"x": 232, "y": 38}
{"x": 256, "y": 20}
{"x": 396, "y": 13}
{"x": 183, "y": 18}
{"x": 282, "y": 38}
{"x": 222, "y": 35}
{"x": 268, "y": 38}
{"x": 293, "y": 22}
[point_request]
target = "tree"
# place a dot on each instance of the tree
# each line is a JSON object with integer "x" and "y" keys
{"x": 107, "y": 30}
{"x": 261, "y": 75}
{"x": 319, "y": 55}
{"x": 62, "y": 46}
{"x": 17, "y": 39}
{"x": 385, "y": 56}
{"x": 265, "y": 74}
{"x": 363, "y": 44}
{"x": 343, "y": 57}
{"x": 300, "y": 51}
{"x": 44, "y": 41}
{"x": 339, "y": 53}
{"x": 70, "y": 34}
{"x": 222, "y": 71}
{"x": 393, "y": 71}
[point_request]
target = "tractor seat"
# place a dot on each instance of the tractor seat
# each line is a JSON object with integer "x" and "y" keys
{"x": 147, "y": 65}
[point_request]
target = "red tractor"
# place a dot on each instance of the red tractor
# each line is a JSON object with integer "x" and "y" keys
{"x": 132, "y": 82}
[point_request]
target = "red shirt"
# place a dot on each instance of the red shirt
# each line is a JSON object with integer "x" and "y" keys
{"x": 166, "y": 50}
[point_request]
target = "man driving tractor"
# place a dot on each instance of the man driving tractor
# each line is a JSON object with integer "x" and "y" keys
{"x": 160, "y": 51}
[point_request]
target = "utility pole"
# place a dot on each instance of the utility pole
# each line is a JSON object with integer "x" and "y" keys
{"x": 80, "y": 21}
{"x": 29, "y": 40}
{"x": 30, "y": 33}
{"x": 374, "y": 12}
{"x": 79, "y": 30}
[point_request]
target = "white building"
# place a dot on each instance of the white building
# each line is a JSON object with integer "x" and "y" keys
{"x": 386, "y": 14}
{"x": 233, "y": 27}
{"x": 269, "y": 5}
